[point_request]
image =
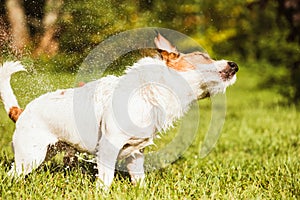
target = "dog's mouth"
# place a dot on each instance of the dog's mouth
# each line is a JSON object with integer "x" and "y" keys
{"x": 230, "y": 70}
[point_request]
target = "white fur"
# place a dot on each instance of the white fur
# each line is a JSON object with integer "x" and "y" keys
{"x": 6, "y": 93}
{"x": 157, "y": 96}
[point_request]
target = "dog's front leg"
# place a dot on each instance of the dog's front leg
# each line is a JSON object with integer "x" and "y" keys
{"x": 135, "y": 167}
{"x": 107, "y": 153}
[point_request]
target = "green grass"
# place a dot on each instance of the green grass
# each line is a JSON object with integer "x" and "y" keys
{"x": 256, "y": 157}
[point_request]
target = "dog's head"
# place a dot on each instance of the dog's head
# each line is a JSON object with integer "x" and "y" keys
{"x": 213, "y": 75}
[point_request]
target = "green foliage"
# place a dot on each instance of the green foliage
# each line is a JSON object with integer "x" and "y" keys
{"x": 237, "y": 30}
{"x": 229, "y": 28}
{"x": 248, "y": 30}
{"x": 84, "y": 24}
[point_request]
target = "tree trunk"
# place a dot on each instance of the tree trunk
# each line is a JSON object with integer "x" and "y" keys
{"x": 48, "y": 45}
{"x": 18, "y": 25}
{"x": 291, "y": 11}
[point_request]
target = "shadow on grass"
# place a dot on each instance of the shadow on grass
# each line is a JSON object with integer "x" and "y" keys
{"x": 87, "y": 168}
{"x": 61, "y": 159}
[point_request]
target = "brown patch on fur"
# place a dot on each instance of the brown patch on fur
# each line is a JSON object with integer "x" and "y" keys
{"x": 62, "y": 92}
{"x": 179, "y": 61}
{"x": 81, "y": 84}
{"x": 175, "y": 61}
{"x": 184, "y": 62}
{"x": 14, "y": 113}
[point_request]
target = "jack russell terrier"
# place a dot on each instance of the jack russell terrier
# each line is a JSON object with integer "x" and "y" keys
{"x": 153, "y": 107}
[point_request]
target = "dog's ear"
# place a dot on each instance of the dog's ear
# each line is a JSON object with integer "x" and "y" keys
{"x": 175, "y": 61}
{"x": 166, "y": 56}
{"x": 163, "y": 44}
{"x": 170, "y": 55}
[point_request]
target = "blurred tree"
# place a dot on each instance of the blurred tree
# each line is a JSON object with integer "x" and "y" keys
{"x": 32, "y": 24}
{"x": 17, "y": 20}
{"x": 48, "y": 44}
{"x": 84, "y": 24}
{"x": 255, "y": 30}
{"x": 278, "y": 39}
{"x": 290, "y": 9}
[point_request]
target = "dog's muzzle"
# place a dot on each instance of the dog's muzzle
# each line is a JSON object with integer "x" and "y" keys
{"x": 229, "y": 71}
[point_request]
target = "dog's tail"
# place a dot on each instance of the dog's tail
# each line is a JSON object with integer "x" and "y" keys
{"x": 6, "y": 93}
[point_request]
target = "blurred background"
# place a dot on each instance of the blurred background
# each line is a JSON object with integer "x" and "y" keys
{"x": 259, "y": 34}
{"x": 257, "y": 155}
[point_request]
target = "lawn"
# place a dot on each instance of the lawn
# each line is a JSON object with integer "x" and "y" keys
{"x": 256, "y": 157}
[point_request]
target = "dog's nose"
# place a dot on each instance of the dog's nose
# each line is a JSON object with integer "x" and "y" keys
{"x": 234, "y": 66}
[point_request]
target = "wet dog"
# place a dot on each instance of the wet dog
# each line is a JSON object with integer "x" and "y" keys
{"x": 114, "y": 117}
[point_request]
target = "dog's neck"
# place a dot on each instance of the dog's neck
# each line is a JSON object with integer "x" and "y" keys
{"x": 169, "y": 92}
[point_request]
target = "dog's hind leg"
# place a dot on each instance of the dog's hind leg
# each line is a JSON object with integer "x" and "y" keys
{"x": 30, "y": 149}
